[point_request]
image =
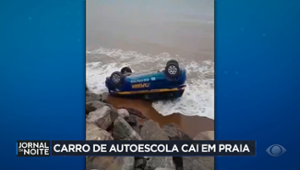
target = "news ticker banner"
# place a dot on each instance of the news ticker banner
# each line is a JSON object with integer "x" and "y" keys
{"x": 136, "y": 148}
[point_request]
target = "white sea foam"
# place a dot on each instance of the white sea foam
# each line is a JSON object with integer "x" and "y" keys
{"x": 198, "y": 98}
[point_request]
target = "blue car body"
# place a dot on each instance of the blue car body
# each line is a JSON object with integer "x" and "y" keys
{"x": 152, "y": 84}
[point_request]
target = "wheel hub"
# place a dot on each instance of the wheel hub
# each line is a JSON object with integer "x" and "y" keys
{"x": 116, "y": 78}
{"x": 172, "y": 70}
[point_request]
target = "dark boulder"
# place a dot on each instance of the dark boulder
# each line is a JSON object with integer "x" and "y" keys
{"x": 123, "y": 131}
{"x": 173, "y": 131}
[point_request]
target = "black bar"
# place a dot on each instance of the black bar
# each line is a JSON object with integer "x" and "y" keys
{"x": 182, "y": 146}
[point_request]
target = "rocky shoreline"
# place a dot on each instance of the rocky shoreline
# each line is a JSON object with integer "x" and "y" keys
{"x": 105, "y": 122}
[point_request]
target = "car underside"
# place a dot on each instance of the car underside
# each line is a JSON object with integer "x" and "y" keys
{"x": 168, "y": 83}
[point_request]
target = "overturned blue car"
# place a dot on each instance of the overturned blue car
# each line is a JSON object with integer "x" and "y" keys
{"x": 164, "y": 84}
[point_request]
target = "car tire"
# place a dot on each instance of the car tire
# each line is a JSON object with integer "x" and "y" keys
{"x": 173, "y": 61}
{"x": 172, "y": 69}
{"x": 117, "y": 78}
{"x": 126, "y": 71}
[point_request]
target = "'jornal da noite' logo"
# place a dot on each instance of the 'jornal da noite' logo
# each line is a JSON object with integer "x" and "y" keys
{"x": 33, "y": 148}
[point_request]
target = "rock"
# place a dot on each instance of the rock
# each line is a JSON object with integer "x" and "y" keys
{"x": 89, "y": 108}
{"x": 107, "y": 163}
{"x": 159, "y": 168}
{"x": 174, "y": 131}
{"x": 104, "y": 97}
{"x": 207, "y": 135}
{"x": 110, "y": 163}
{"x": 152, "y": 131}
{"x": 90, "y": 96}
{"x": 122, "y": 163}
{"x": 96, "y": 104}
{"x": 99, "y": 104}
{"x": 123, "y": 113}
{"x": 134, "y": 112}
{"x": 93, "y": 132}
{"x": 123, "y": 131}
{"x": 98, "y": 163}
{"x": 101, "y": 117}
{"x": 113, "y": 113}
{"x": 131, "y": 120}
{"x": 163, "y": 162}
{"x": 140, "y": 163}
{"x": 199, "y": 163}
{"x": 178, "y": 162}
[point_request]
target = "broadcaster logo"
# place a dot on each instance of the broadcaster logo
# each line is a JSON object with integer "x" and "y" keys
{"x": 33, "y": 148}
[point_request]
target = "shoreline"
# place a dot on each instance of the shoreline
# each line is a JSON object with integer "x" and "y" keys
{"x": 191, "y": 125}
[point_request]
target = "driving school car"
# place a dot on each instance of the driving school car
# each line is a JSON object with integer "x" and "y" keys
{"x": 166, "y": 83}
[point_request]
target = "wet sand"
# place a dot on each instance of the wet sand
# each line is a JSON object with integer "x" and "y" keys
{"x": 191, "y": 125}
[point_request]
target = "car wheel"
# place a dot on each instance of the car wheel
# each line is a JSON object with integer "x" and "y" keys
{"x": 172, "y": 69}
{"x": 126, "y": 71}
{"x": 117, "y": 78}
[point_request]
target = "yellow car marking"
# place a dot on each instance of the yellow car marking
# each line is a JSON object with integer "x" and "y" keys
{"x": 149, "y": 91}
{"x": 140, "y": 85}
